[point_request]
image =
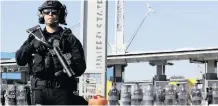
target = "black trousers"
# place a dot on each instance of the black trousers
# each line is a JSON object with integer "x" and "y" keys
{"x": 52, "y": 96}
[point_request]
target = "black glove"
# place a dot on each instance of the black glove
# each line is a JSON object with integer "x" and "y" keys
{"x": 37, "y": 45}
{"x": 59, "y": 74}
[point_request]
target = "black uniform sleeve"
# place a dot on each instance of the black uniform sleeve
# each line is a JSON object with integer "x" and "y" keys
{"x": 78, "y": 57}
{"x": 23, "y": 55}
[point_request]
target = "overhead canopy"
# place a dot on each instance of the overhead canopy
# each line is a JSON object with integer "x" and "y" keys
{"x": 174, "y": 55}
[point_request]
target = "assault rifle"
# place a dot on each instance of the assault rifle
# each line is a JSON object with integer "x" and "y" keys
{"x": 37, "y": 33}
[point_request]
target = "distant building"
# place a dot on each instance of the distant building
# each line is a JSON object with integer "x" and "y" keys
{"x": 10, "y": 71}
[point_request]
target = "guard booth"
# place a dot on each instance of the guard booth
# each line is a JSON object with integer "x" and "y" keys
{"x": 11, "y": 73}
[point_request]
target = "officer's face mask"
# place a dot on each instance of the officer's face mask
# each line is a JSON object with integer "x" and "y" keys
{"x": 50, "y": 12}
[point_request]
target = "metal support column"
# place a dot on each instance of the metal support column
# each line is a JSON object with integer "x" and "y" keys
{"x": 211, "y": 70}
{"x": 160, "y": 76}
{"x": 211, "y": 66}
{"x": 93, "y": 31}
{"x": 1, "y": 90}
{"x": 118, "y": 73}
{"x": 1, "y": 71}
{"x": 1, "y": 77}
{"x": 160, "y": 69}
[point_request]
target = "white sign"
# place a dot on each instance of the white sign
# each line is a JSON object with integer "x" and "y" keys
{"x": 94, "y": 37}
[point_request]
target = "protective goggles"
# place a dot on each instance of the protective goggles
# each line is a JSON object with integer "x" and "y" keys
{"x": 50, "y": 11}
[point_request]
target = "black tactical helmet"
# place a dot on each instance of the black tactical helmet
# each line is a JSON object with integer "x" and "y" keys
{"x": 54, "y": 4}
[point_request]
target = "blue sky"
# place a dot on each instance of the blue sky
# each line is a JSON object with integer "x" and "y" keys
{"x": 173, "y": 25}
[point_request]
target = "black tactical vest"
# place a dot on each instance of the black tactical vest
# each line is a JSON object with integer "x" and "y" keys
{"x": 45, "y": 65}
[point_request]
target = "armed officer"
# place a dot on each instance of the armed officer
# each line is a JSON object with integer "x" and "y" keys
{"x": 48, "y": 87}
